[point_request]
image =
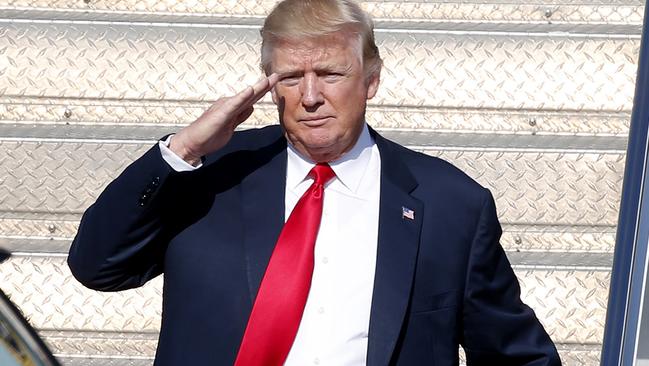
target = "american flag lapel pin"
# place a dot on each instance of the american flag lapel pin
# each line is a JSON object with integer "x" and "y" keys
{"x": 407, "y": 213}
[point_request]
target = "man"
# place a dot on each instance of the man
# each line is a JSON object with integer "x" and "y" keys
{"x": 398, "y": 264}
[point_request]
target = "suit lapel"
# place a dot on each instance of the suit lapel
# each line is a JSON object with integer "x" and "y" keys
{"x": 262, "y": 198}
{"x": 398, "y": 244}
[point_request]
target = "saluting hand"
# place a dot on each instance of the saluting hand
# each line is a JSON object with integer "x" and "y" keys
{"x": 214, "y": 128}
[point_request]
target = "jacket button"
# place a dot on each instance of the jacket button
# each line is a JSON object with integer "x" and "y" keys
{"x": 144, "y": 199}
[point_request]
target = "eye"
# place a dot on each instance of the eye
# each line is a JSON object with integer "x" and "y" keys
{"x": 290, "y": 80}
{"x": 332, "y": 77}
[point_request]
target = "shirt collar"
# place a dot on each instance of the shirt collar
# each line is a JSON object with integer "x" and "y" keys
{"x": 349, "y": 168}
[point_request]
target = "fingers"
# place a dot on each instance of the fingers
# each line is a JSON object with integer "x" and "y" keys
{"x": 234, "y": 110}
{"x": 263, "y": 86}
{"x": 213, "y": 129}
{"x": 241, "y": 98}
{"x": 251, "y": 94}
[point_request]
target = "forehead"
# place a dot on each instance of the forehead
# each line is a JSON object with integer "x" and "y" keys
{"x": 322, "y": 52}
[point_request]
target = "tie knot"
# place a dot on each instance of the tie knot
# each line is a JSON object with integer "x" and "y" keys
{"x": 322, "y": 173}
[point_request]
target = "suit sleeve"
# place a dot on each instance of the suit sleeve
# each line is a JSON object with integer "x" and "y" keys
{"x": 121, "y": 241}
{"x": 498, "y": 328}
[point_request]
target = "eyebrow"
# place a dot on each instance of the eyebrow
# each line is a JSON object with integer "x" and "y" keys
{"x": 317, "y": 68}
{"x": 283, "y": 74}
{"x": 331, "y": 67}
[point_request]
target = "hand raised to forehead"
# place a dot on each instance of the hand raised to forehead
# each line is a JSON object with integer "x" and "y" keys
{"x": 214, "y": 128}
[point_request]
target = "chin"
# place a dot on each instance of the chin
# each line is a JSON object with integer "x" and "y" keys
{"x": 318, "y": 139}
{"x": 319, "y": 152}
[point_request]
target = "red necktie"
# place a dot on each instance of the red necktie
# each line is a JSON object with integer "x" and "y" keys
{"x": 282, "y": 295}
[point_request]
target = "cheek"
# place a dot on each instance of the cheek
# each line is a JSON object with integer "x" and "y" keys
{"x": 351, "y": 106}
{"x": 350, "y": 95}
{"x": 288, "y": 98}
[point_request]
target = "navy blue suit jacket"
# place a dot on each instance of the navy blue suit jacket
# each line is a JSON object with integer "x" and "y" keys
{"x": 441, "y": 280}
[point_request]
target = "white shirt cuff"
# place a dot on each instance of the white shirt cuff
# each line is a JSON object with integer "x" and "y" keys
{"x": 175, "y": 161}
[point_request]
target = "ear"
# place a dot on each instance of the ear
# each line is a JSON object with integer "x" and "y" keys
{"x": 373, "y": 83}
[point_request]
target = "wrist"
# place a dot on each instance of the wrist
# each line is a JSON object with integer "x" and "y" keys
{"x": 177, "y": 147}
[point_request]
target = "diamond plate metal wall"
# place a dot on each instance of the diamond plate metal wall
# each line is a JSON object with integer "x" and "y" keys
{"x": 502, "y": 71}
{"x": 579, "y": 11}
{"x": 55, "y": 301}
{"x": 531, "y": 99}
{"x": 89, "y": 111}
{"x": 529, "y": 187}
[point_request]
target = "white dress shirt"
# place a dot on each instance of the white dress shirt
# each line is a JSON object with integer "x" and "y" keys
{"x": 335, "y": 324}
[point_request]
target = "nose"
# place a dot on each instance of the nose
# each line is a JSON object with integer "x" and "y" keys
{"x": 311, "y": 93}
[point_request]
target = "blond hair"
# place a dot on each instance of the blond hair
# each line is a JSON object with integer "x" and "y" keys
{"x": 295, "y": 20}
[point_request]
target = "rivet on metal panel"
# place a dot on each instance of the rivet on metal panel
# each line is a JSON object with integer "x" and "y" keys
{"x": 67, "y": 113}
{"x": 532, "y": 122}
{"x": 518, "y": 240}
{"x": 51, "y": 228}
{"x": 548, "y": 13}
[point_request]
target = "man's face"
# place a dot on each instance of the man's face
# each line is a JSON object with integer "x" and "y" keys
{"x": 321, "y": 94}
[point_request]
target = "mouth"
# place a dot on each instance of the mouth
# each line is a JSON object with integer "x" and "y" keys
{"x": 315, "y": 121}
